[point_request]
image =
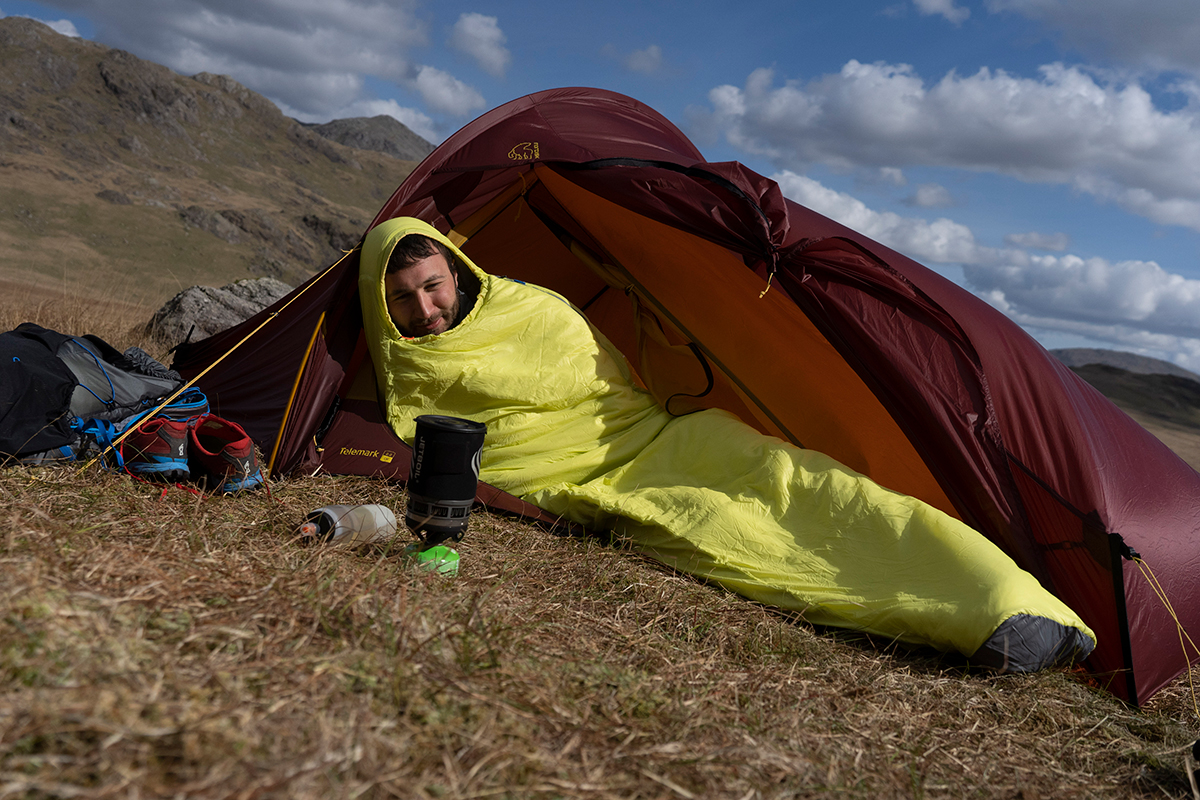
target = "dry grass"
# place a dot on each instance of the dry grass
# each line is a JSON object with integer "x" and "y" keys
{"x": 160, "y": 643}
{"x": 111, "y": 315}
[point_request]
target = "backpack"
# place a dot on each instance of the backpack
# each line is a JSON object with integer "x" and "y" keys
{"x": 50, "y": 380}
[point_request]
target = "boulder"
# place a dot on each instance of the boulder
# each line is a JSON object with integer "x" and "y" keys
{"x": 201, "y": 311}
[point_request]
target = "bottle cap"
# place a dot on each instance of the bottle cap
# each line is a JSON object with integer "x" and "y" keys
{"x": 440, "y": 559}
{"x": 317, "y": 525}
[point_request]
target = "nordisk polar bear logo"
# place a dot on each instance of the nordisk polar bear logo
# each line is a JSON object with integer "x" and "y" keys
{"x": 525, "y": 151}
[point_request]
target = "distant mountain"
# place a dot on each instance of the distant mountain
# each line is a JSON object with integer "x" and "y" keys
{"x": 1141, "y": 365}
{"x": 121, "y": 179}
{"x": 383, "y": 134}
{"x": 1163, "y": 398}
{"x": 1166, "y": 397}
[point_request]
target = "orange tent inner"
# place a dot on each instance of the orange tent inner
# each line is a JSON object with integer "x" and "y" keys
{"x": 665, "y": 298}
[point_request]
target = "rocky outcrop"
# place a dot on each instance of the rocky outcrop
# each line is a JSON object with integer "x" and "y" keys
{"x": 201, "y": 311}
{"x": 382, "y": 133}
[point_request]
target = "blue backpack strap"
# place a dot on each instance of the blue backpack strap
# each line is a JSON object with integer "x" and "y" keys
{"x": 102, "y": 432}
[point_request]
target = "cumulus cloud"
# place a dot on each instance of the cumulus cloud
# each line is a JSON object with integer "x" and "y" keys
{"x": 1137, "y": 294}
{"x": 480, "y": 37}
{"x": 930, "y": 195}
{"x": 1056, "y": 242}
{"x": 941, "y": 241}
{"x": 63, "y": 26}
{"x": 416, "y": 121}
{"x": 944, "y": 8}
{"x": 892, "y": 176}
{"x": 314, "y": 58}
{"x": 444, "y": 92}
{"x": 645, "y": 62}
{"x": 1129, "y": 304}
{"x": 1183, "y": 351}
{"x": 1102, "y": 137}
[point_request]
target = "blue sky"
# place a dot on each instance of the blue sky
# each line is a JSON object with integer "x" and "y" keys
{"x": 1045, "y": 154}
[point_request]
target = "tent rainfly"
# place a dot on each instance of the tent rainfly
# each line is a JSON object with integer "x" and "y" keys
{"x": 723, "y": 293}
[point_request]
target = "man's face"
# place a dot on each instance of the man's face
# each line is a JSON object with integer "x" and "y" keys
{"x": 422, "y": 299}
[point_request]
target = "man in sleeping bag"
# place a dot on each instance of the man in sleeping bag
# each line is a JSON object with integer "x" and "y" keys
{"x": 569, "y": 430}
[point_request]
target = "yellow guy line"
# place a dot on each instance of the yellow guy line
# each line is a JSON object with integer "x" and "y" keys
{"x": 287, "y": 411}
{"x": 296, "y": 296}
{"x": 1148, "y": 574}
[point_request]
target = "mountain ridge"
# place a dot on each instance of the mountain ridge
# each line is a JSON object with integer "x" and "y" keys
{"x": 121, "y": 177}
{"x": 380, "y": 133}
{"x": 1131, "y": 362}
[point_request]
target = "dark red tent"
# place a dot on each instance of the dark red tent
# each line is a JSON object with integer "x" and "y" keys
{"x": 722, "y": 292}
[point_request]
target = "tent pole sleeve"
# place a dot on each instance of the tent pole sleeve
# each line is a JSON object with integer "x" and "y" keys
{"x": 287, "y": 411}
{"x": 1118, "y": 552}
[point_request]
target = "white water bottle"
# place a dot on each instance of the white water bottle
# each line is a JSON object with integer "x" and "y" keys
{"x": 349, "y": 525}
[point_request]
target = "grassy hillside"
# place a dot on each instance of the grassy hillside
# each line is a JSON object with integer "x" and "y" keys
{"x": 119, "y": 178}
{"x": 1169, "y": 399}
{"x": 1166, "y": 405}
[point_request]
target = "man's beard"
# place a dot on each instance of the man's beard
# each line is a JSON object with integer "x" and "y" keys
{"x": 450, "y": 315}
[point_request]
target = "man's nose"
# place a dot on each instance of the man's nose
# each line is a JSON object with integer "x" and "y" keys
{"x": 426, "y": 305}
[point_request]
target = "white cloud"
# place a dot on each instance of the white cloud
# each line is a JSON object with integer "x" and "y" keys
{"x": 62, "y": 26}
{"x": 319, "y": 94}
{"x": 1067, "y": 127}
{"x": 446, "y": 93}
{"x": 647, "y": 62}
{"x": 480, "y": 37}
{"x": 1137, "y": 294}
{"x": 416, "y": 121}
{"x": 1183, "y": 351}
{"x": 941, "y": 241}
{"x": 1056, "y": 242}
{"x": 1131, "y": 304}
{"x": 65, "y": 27}
{"x": 945, "y": 8}
{"x": 893, "y": 176}
{"x": 931, "y": 195}
{"x": 314, "y": 58}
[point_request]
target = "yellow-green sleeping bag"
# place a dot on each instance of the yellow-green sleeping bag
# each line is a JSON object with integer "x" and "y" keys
{"x": 568, "y": 431}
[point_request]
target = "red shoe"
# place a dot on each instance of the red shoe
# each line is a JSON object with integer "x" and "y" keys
{"x": 223, "y": 451}
{"x": 158, "y": 449}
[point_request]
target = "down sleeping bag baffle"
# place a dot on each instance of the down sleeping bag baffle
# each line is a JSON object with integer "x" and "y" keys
{"x": 569, "y": 430}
